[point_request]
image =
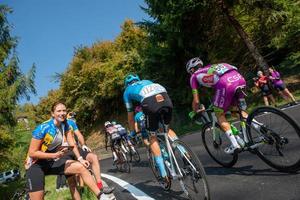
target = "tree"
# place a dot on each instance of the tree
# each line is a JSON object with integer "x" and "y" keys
{"x": 13, "y": 83}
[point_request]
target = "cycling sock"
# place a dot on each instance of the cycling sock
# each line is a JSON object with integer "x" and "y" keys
{"x": 232, "y": 138}
{"x": 100, "y": 185}
{"x": 160, "y": 163}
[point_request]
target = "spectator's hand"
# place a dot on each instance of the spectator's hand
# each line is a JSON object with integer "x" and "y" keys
{"x": 86, "y": 148}
{"x": 85, "y": 163}
{"x": 60, "y": 153}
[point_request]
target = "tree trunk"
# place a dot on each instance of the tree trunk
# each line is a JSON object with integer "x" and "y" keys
{"x": 260, "y": 61}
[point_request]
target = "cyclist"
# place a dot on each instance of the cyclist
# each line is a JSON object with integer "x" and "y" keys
{"x": 123, "y": 133}
{"x": 49, "y": 153}
{"x": 153, "y": 99}
{"x": 262, "y": 83}
{"x": 114, "y": 136}
{"x": 85, "y": 151}
{"x": 140, "y": 124}
{"x": 279, "y": 85}
{"x": 225, "y": 79}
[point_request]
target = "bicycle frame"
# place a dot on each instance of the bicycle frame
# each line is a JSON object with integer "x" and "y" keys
{"x": 243, "y": 129}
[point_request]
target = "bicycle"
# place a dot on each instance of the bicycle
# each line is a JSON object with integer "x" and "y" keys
{"x": 131, "y": 150}
{"x": 122, "y": 162}
{"x": 182, "y": 164}
{"x": 260, "y": 133}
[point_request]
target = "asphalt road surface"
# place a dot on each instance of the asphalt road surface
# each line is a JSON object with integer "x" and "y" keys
{"x": 249, "y": 179}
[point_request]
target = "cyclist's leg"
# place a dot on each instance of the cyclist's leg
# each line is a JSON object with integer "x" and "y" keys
{"x": 35, "y": 177}
{"x": 113, "y": 151}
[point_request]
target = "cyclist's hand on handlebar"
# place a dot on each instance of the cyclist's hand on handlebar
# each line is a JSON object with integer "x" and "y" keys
{"x": 201, "y": 109}
{"x": 86, "y": 148}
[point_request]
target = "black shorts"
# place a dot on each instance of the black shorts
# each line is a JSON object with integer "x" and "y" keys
{"x": 265, "y": 90}
{"x": 156, "y": 106}
{"x": 280, "y": 87}
{"x": 83, "y": 153}
{"x": 35, "y": 175}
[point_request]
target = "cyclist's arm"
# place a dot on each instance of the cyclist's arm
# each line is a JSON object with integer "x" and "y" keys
{"x": 136, "y": 127}
{"x": 80, "y": 137}
{"x": 71, "y": 142}
{"x": 196, "y": 101}
{"x": 35, "y": 150}
{"x": 130, "y": 116}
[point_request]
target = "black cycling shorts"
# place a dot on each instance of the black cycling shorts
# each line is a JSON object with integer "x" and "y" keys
{"x": 83, "y": 153}
{"x": 156, "y": 106}
{"x": 35, "y": 175}
{"x": 265, "y": 90}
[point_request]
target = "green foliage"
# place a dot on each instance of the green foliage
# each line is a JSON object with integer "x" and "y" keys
{"x": 13, "y": 85}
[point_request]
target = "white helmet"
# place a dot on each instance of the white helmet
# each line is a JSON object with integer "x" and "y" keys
{"x": 107, "y": 123}
{"x": 193, "y": 63}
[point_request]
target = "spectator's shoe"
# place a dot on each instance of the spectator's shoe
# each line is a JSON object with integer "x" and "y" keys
{"x": 107, "y": 190}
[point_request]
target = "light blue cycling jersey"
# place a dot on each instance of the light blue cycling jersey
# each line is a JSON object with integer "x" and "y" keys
{"x": 139, "y": 117}
{"x": 51, "y": 135}
{"x": 72, "y": 124}
{"x": 140, "y": 90}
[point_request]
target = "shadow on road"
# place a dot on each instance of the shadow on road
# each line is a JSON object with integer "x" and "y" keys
{"x": 245, "y": 170}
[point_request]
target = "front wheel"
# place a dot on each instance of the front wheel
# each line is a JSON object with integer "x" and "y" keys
{"x": 193, "y": 181}
{"x": 215, "y": 141}
{"x": 276, "y": 137}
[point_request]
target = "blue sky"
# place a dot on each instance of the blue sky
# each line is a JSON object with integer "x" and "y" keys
{"x": 48, "y": 31}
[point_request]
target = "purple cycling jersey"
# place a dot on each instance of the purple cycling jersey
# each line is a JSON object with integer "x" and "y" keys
{"x": 276, "y": 81}
{"x": 224, "y": 78}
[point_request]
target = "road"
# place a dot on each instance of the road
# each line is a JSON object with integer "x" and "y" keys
{"x": 249, "y": 179}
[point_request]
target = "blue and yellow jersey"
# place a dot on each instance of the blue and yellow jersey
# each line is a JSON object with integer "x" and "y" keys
{"x": 140, "y": 90}
{"x": 51, "y": 135}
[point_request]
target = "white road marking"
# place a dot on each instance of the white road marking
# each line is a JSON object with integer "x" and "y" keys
{"x": 135, "y": 192}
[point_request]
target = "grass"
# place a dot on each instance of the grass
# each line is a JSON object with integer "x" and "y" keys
{"x": 50, "y": 186}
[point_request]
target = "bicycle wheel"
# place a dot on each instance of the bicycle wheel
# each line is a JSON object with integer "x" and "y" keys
{"x": 122, "y": 163}
{"x": 277, "y": 137}
{"x": 135, "y": 155}
{"x": 215, "y": 141}
{"x": 194, "y": 180}
{"x": 154, "y": 168}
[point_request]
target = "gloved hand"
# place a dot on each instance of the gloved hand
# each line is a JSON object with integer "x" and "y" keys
{"x": 86, "y": 148}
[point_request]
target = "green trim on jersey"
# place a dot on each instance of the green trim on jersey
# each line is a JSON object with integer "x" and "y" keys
{"x": 194, "y": 91}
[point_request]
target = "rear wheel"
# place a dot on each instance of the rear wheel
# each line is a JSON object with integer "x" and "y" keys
{"x": 215, "y": 141}
{"x": 277, "y": 137}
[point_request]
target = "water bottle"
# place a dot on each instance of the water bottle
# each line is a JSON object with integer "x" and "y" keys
{"x": 235, "y": 131}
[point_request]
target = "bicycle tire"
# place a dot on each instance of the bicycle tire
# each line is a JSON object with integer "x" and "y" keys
{"x": 194, "y": 176}
{"x": 154, "y": 168}
{"x": 289, "y": 141}
{"x": 216, "y": 149}
{"x": 135, "y": 155}
{"x": 20, "y": 195}
{"x": 122, "y": 163}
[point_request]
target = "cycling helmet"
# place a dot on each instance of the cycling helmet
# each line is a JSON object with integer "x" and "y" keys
{"x": 131, "y": 77}
{"x": 107, "y": 123}
{"x": 193, "y": 63}
{"x": 113, "y": 122}
{"x": 138, "y": 109}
